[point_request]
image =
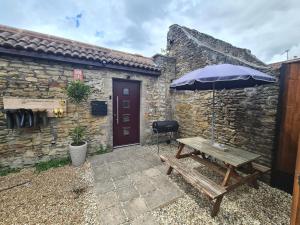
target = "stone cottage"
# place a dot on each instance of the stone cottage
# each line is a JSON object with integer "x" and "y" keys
{"x": 38, "y": 66}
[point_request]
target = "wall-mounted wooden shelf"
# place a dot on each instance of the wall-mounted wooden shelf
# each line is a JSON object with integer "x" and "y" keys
{"x": 35, "y": 104}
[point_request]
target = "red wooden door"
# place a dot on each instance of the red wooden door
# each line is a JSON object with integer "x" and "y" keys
{"x": 126, "y": 112}
{"x": 290, "y": 127}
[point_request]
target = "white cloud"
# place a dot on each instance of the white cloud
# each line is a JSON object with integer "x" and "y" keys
{"x": 293, "y": 52}
{"x": 267, "y": 28}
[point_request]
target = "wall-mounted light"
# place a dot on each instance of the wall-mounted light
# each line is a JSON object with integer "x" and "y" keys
{"x": 61, "y": 112}
{"x": 62, "y": 103}
{"x": 58, "y": 112}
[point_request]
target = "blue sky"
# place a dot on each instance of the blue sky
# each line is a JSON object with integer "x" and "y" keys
{"x": 267, "y": 28}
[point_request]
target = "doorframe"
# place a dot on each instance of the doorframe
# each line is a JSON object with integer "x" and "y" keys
{"x": 139, "y": 112}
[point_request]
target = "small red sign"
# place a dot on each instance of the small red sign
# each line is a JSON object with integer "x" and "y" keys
{"x": 77, "y": 74}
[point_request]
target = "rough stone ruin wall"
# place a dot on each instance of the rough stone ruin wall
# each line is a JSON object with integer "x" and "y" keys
{"x": 244, "y": 117}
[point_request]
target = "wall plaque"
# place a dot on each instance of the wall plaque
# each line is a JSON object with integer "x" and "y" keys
{"x": 77, "y": 74}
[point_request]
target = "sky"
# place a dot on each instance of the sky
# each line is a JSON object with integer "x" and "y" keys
{"x": 266, "y": 27}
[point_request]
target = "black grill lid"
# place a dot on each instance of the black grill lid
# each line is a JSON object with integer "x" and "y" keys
{"x": 165, "y": 126}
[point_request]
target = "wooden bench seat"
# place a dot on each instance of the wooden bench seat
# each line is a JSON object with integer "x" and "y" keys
{"x": 200, "y": 182}
{"x": 236, "y": 166}
{"x": 260, "y": 168}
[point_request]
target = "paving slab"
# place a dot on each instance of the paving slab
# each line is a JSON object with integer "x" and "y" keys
{"x": 108, "y": 200}
{"x": 113, "y": 157}
{"x": 131, "y": 169}
{"x": 101, "y": 173}
{"x": 153, "y": 160}
{"x": 152, "y": 172}
{"x": 162, "y": 168}
{"x": 113, "y": 216}
{"x": 163, "y": 184}
{"x": 141, "y": 165}
{"x": 129, "y": 183}
{"x": 130, "y": 166}
{"x": 121, "y": 182}
{"x": 116, "y": 170}
{"x": 97, "y": 161}
{"x": 145, "y": 219}
{"x": 155, "y": 199}
{"x": 144, "y": 187}
{"x": 104, "y": 186}
{"x": 135, "y": 207}
{"x": 137, "y": 177}
{"x": 127, "y": 193}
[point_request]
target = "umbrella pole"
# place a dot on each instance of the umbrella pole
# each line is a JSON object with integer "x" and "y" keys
{"x": 213, "y": 116}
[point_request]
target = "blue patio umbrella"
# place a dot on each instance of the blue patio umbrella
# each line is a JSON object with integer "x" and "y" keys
{"x": 218, "y": 77}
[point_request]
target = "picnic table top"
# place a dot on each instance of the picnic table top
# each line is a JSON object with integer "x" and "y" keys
{"x": 233, "y": 156}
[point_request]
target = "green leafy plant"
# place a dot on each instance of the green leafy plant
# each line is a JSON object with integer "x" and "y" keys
{"x": 78, "y": 92}
{"x": 53, "y": 163}
{"x": 77, "y": 135}
{"x": 102, "y": 149}
{"x": 7, "y": 171}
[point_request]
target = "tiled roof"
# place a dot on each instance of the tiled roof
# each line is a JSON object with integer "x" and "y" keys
{"x": 20, "y": 39}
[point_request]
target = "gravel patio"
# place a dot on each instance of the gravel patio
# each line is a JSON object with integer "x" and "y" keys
{"x": 129, "y": 187}
{"x": 55, "y": 196}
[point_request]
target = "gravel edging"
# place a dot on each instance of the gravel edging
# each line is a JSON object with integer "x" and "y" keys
{"x": 90, "y": 203}
{"x": 56, "y": 196}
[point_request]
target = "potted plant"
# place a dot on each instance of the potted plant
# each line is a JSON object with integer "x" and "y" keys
{"x": 78, "y": 92}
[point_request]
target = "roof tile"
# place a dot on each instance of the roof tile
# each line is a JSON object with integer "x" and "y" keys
{"x": 33, "y": 41}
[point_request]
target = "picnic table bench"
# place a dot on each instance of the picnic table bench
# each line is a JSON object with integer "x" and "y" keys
{"x": 234, "y": 162}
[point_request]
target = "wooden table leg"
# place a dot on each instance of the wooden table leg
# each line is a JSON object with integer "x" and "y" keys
{"x": 203, "y": 155}
{"x": 180, "y": 148}
{"x": 170, "y": 169}
{"x": 216, "y": 206}
{"x": 253, "y": 182}
{"x": 229, "y": 172}
{"x": 249, "y": 169}
{"x": 236, "y": 175}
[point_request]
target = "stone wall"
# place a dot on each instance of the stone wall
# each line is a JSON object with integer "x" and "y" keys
{"x": 244, "y": 117}
{"x": 33, "y": 78}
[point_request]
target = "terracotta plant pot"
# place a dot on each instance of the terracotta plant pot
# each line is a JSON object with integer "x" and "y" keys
{"x": 78, "y": 154}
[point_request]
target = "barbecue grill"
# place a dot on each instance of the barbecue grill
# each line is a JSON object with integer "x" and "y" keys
{"x": 164, "y": 127}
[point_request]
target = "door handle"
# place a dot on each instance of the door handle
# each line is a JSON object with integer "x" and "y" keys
{"x": 117, "y": 110}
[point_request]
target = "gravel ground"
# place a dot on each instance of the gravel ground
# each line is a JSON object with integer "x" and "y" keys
{"x": 244, "y": 205}
{"x": 66, "y": 196}
{"x": 56, "y": 196}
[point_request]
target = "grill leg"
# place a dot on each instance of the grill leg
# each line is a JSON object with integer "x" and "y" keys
{"x": 157, "y": 142}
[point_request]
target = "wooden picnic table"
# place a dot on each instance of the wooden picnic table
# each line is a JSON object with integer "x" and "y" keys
{"x": 236, "y": 166}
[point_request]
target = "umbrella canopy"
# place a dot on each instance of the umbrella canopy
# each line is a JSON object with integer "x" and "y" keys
{"x": 218, "y": 77}
{"x": 222, "y": 76}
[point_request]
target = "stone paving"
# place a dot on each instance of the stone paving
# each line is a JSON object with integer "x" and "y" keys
{"x": 129, "y": 183}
